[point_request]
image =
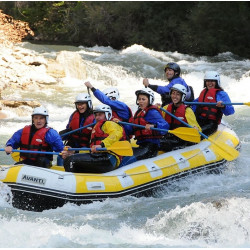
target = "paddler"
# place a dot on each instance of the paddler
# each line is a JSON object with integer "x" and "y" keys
{"x": 177, "y": 107}
{"x": 172, "y": 71}
{"x": 149, "y": 116}
{"x": 209, "y": 117}
{"x": 104, "y": 134}
{"x": 36, "y": 137}
{"x": 81, "y": 117}
{"x": 110, "y": 97}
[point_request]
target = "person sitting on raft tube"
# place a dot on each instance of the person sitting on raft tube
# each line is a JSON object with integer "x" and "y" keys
{"x": 149, "y": 116}
{"x": 103, "y": 135}
{"x": 81, "y": 117}
{"x": 110, "y": 97}
{"x": 178, "y": 95}
{"x": 209, "y": 117}
{"x": 172, "y": 72}
{"x": 36, "y": 137}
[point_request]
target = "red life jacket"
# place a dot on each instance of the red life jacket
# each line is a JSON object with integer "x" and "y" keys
{"x": 209, "y": 112}
{"x": 98, "y": 134}
{"x": 37, "y": 143}
{"x": 141, "y": 134}
{"x": 81, "y": 137}
{"x": 179, "y": 112}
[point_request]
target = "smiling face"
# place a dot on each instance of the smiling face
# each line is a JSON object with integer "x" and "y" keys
{"x": 81, "y": 107}
{"x": 210, "y": 84}
{"x": 143, "y": 101}
{"x": 176, "y": 97}
{"x": 39, "y": 121}
{"x": 169, "y": 73}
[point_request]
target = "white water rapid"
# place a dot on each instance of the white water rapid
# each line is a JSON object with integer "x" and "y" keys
{"x": 200, "y": 211}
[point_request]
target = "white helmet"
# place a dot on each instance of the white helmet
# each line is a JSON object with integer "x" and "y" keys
{"x": 112, "y": 93}
{"x": 148, "y": 92}
{"x": 104, "y": 108}
{"x": 41, "y": 111}
{"x": 212, "y": 75}
{"x": 83, "y": 97}
{"x": 180, "y": 88}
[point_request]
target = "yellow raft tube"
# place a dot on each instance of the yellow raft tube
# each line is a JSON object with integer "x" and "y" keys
{"x": 37, "y": 189}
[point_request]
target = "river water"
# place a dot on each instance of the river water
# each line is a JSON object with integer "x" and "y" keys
{"x": 199, "y": 211}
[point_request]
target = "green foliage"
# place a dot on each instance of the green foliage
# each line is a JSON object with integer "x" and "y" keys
{"x": 199, "y": 27}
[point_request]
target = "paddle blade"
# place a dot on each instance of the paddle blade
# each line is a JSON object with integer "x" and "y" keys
{"x": 122, "y": 148}
{"x": 187, "y": 134}
{"x": 15, "y": 156}
{"x": 224, "y": 150}
{"x": 247, "y": 103}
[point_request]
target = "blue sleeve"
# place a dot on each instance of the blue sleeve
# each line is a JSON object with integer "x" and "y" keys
{"x": 193, "y": 107}
{"x": 15, "y": 140}
{"x": 166, "y": 89}
{"x": 54, "y": 140}
{"x": 102, "y": 97}
{"x": 154, "y": 117}
{"x": 120, "y": 108}
{"x": 223, "y": 96}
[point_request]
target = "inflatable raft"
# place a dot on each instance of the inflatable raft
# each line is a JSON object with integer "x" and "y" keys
{"x": 38, "y": 189}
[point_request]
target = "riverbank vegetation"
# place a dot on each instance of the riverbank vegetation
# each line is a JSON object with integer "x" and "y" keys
{"x": 199, "y": 28}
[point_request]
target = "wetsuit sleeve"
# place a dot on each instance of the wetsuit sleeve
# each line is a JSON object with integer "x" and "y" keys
{"x": 115, "y": 132}
{"x": 223, "y": 96}
{"x": 120, "y": 107}
{"x": 191, "y": 118}
{"x": 54, "y": 140}
{"x": 15, "y": 140}
{"x": 153, "y": 116}
{"x": 153, "y": 87}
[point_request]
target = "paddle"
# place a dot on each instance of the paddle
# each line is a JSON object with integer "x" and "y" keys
{"x": 72, "y": 131}
{"x": 187, "y": 134}
{"x": 15, "y": 156}
{"x": 32, "y": 152}
{"x": 224, "y": 150}
{"x": 214, "y": 103}
{"x": 122, "y": 148}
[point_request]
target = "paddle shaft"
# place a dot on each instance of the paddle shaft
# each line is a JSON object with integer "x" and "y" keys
{"x": 122, "y": 148}
{"x": 141, "y": 126}
{"x": 78, "y": 149}
{"x": 70, "y": 132}
{"x": 177, "y": 118}
{"x": 214, "y": 103}
{"x": 32, "y": 152}
{"x": 186, "y": 134}
{"x": 52, "y": 153}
